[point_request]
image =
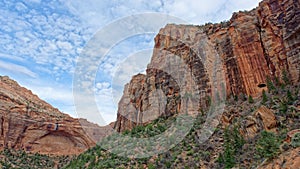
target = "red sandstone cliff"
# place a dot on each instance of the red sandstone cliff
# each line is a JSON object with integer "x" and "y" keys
{"x": 250, "y": 47}
{"x": 28, "y": 123}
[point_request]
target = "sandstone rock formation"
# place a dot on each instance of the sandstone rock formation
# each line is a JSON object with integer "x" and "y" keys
{"x": 262, "y": 119}
{"x": 232, "y": 57}
{"x": 27, "y": 122}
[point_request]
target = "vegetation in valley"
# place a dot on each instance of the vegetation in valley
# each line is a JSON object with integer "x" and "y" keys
{"x": 226, "y": 148}
{"x": 20, "y": 159}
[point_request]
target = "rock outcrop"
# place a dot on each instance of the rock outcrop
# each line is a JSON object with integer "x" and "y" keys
{"x": 236, "y": 56}
{"x": 29, "y": 123}
{"x": 262, "y": 119}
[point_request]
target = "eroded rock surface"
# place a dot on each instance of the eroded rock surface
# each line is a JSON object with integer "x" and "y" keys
{"x": 29, "y": 123}
{"x": 240, "y": 53}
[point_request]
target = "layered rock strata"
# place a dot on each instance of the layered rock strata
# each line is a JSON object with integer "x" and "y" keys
{"x": 233, "y": 57}
{"x": 31, "y": 124}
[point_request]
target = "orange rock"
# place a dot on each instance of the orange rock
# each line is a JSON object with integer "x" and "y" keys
{"x": 267, "y": 116}
{"x": 262, "y": 119}
{"x": 252, "y": 46}
{"x": 29, "y": 123}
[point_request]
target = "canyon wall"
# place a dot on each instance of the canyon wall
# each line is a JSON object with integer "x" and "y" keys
{"x": 31, "y": 124}
{"x": 231, "y": 58}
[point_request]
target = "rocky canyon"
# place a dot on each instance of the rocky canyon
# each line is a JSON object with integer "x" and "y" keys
{"x": 246, "y": 51}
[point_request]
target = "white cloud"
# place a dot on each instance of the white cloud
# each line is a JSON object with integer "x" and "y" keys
{"x": 45, "y": 36}
{"x": 11, "y": 57}
{"x": 48, "y": 37}
{"x": 97, "y": 13}
{"x": 35, "y": 1}
{"x": 17, "y": 69}
{"x": 58, "y": 96}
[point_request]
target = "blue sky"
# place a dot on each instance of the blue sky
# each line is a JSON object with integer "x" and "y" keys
{"x": 41, "y": 39}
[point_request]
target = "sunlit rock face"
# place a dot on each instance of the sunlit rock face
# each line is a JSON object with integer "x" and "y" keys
{"x": 31, "y": 124}
{"x": 244, "y": 51}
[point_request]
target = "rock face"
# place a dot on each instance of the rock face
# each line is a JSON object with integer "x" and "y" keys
{"x": 28, "y": 123}
{"x": 235, "y": 56}
{"x": 262, "y": 119}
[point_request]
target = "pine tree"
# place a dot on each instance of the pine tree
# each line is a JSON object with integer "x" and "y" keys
{"x": 290, "y": 97}
{"x": 270, "y": 85}
{"x": 250, "y": 99}
{"x": 264, "y": 97}
{"x": 285, "y": 77}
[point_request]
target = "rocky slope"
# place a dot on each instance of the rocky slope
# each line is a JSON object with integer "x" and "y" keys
{"x": 242, "y": 53}
{"x": 28, "y": 123}
{"x": 251, "y": 134}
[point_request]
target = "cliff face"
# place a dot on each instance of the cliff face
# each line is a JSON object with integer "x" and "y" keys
{"x": 28, "y": 123}
{"x": 241, "y": 53}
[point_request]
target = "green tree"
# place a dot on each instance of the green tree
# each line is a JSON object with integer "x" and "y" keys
{"x": 264, "y": 97}
{"x": 283, "y": 107}
{"x": 233, "y": 141}
{"x": 290, "y": 97}
{"x": 227, "y": 157}
{"x": 285, "y": 77}
{"x": 268, "y": 145}
{"x": 250, "y": 99}
{"x": 270, "y": 85}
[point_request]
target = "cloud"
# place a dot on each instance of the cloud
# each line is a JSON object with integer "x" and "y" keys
{"x": 17, "y": 69}
{"x": 98, "y": 13}
{"x": 55, "y": 94}
{"x": 11, "y": 57}
{"x": 48, "y": 37}
{"x": 45, "y": 33}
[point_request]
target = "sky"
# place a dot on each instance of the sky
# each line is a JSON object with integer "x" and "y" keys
{"x": 41, "y": 40}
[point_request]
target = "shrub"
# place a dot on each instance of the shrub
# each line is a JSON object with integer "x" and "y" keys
{"x": 243, "y": 97}
{"x": 268, "y": 145}
{"x": 236, "y": 98}
{"x": 296, "y": 140}
{"x": 283, "y": 107}
{"x": 151, "y": 166}
{"x": 290, "y": 97}
{"x": 285, "y": 77}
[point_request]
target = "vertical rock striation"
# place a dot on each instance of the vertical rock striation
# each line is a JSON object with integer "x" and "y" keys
{"x": 251, "y": 46}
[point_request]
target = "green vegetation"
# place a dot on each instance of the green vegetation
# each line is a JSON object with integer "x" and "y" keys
{"x": 20, "y": 159}
{"x": 296, "y": 140}
{"x": 285, "y": 77}
{"x": 233, "y": 141}
{"x": 264, "y": 97}
{"x": 186, "y": 152}
{"x": 283, "y": 107}
{"x": 290, "y": 98}
{"x": 228, "y": 147}
{"x": 250, "y": 99}
{"x": 268, "y": 145}
{"x": 270, "y": 85}
{"x": 233, "y": 148}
